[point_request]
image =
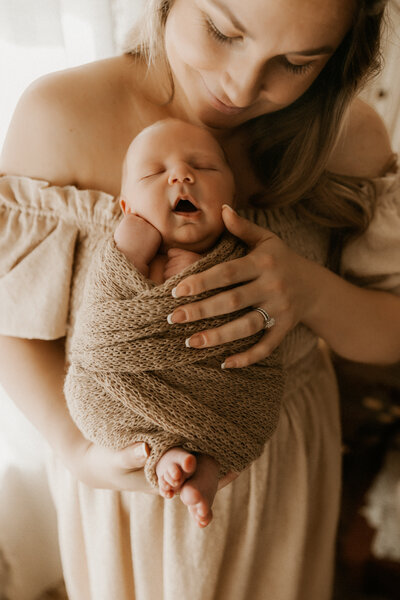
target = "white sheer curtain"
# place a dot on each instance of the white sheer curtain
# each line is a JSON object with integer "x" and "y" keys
{"x": 37, "y": 37}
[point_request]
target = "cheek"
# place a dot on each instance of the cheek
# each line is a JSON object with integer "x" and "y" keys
{"x": 284, "y": 88}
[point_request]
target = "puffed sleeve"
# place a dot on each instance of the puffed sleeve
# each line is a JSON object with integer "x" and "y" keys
{"x": 373, "y": 259}
{"x": 37, "y": 241}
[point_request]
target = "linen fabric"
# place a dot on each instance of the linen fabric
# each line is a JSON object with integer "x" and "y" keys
{"x": 273, "y": 532}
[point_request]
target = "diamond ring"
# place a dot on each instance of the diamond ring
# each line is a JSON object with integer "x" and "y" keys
{"x": 268, "y": 321}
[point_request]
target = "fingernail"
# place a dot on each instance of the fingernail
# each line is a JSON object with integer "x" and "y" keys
{"x": 196, "y": 341}
{"x": 230, "y": 207}
{"x": 183, "y": 291}
{"x": 228, "y": 364}
{"x": 179, "y": 316}
{"x": 141, "y": 451}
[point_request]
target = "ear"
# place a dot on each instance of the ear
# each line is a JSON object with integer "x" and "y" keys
{"x": 125, "y": 209}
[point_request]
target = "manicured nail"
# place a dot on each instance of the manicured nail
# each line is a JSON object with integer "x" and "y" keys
{"x": 230, "y": 207}
{"x": 141, "y": 451}
{"x": 179, "y": 316}
{"x": 196, "y": 341}
{"x": 183, "y": 291}
{"x": 228, "y": 364}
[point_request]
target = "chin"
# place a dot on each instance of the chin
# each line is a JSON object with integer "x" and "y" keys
{"x": 199, "y": 246}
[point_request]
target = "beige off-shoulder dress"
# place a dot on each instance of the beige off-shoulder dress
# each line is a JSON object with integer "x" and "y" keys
{"x": 273, "y": 533}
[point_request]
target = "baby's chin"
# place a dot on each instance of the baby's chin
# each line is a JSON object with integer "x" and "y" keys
{"x": 189, "y": 241}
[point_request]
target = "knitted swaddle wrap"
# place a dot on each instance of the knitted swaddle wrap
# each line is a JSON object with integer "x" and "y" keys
{"x": 131, "y": 377}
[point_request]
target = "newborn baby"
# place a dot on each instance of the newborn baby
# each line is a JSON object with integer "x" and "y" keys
{"x": 175, "y": 181}
{"x": 130, "y": 376}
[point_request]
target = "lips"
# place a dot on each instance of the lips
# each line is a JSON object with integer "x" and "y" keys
{"x": 185, "y": 205}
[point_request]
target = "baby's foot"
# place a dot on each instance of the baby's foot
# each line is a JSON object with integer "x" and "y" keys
{"x": 173, "y": 468}
{"x": 199, "y": 491}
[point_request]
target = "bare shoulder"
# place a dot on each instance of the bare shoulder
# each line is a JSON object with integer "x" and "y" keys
{"x": 58, "y": 118}
{"x": 364, "y": 148}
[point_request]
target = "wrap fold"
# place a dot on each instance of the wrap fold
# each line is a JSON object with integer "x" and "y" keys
{"x": 131, "y": 377}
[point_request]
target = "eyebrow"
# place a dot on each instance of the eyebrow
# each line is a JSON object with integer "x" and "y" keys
{"x": 314, "y": 51}
{"x": 224, "y": 8}
{"x": 310, "y": 52}
{"x": 207, "y": 157}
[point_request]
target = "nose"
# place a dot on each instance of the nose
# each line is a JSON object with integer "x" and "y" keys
{"x": 243, "y": 83}
{"x": 181, "y": 173}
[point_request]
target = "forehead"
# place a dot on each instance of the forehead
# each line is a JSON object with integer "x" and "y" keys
{"x": 174, "y": 137}
{"x": 310, "y": 23}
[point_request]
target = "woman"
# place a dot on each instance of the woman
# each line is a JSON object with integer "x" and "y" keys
{"x": 275, "y": 81}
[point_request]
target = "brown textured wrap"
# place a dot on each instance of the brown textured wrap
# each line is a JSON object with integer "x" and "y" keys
{"x": 131, "y": 377}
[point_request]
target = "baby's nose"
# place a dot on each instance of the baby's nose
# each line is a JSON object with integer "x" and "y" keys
{"x": 181, "y": 174}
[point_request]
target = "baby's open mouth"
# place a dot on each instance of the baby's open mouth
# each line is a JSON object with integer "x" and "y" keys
{"x": 185, "y": 206}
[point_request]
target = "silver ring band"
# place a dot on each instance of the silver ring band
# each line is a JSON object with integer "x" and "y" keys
{"x": 268, "y": 321}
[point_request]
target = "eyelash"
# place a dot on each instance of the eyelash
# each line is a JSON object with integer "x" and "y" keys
{"x": 296, "y": 69}
{"x": 223, "y": 39}
{"x": 217, "y": 34}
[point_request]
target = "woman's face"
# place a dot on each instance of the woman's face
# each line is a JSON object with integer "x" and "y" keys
{"x": 233, "y": 60}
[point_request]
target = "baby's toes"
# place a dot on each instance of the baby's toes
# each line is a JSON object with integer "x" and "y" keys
{"x": 174, "y": 476}
{"x": 202, "y": 514}
{"x": 165, "y": 489}
{"x": 189, "y": 465}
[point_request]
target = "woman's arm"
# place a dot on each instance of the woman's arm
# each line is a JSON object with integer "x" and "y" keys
{"x": 38, "y": 144}
{"x": 32, "y": 372}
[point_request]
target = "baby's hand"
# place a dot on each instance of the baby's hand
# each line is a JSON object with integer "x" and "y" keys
{"x": 178, "y": 260}
{"x": 137, "y": 239}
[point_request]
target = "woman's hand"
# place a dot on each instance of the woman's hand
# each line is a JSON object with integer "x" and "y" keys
{"x": 272, "y": 277}
{"x": 120, "y": 470}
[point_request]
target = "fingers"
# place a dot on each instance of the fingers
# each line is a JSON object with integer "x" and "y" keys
{"x": 221, "y": 275}
{"x": 245, "y": 326}
{"x": 268, "y": 343}
{"x": 221, "y": 304}
{"x": 132, "y": 457}
{"x": 244, "y": 229}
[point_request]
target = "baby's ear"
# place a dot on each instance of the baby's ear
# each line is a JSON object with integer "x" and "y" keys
{"x": 124, "y": 207}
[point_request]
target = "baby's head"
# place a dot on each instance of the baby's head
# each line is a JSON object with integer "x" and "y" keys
{"x": 176, "y": 177}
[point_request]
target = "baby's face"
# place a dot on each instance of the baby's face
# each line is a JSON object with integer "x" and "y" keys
{"x": 177, "y": 179}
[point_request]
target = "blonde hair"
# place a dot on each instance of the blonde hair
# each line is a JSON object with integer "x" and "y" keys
{"x": 290, "y": 149}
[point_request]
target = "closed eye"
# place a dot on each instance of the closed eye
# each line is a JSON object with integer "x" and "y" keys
{"x": 204, "y": 168}
{"x": 160, "y": 172}
{"x": 297, "y": 69}
{"x": 213, "y": 30}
